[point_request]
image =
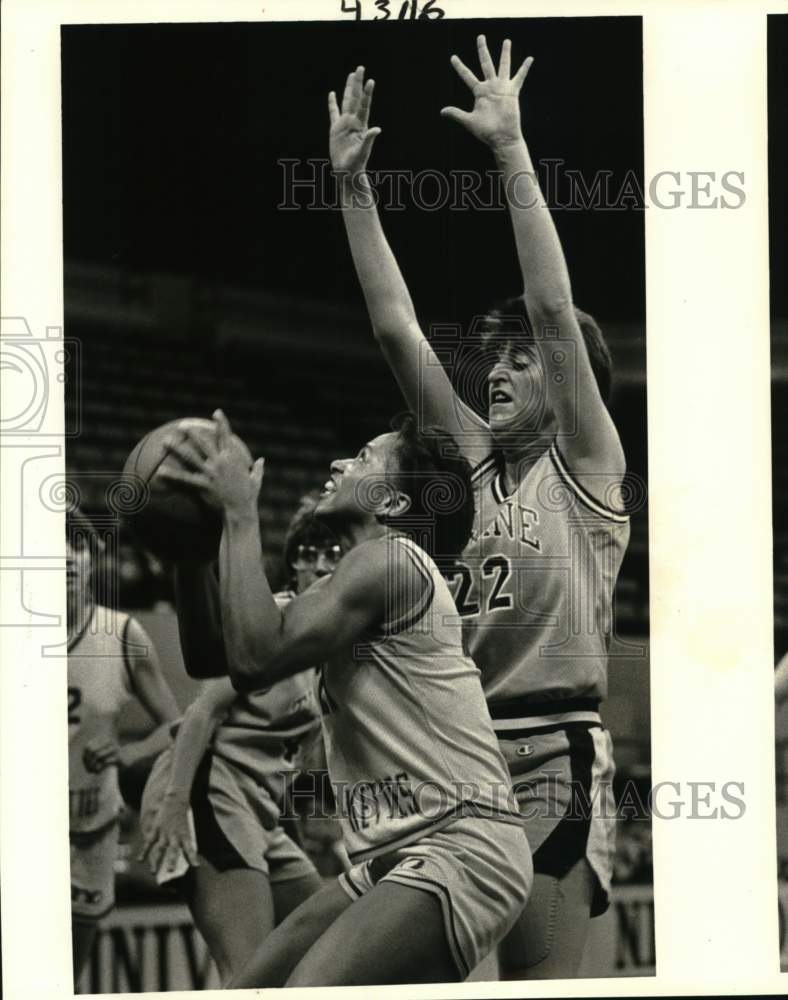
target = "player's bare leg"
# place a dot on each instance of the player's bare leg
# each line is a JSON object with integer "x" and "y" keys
{"x": 404, "y": 941}
{"x": 285, "y": 946}
{"x": 289, "y": 895}
{"x": 83, "y": 934}
{"x": 234, "y": 912}
{"x": 547, "y": 941}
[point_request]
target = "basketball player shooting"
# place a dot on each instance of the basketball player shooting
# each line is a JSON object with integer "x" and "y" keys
{"x": 550, "y": 532}
{"x": 440, "y": 863}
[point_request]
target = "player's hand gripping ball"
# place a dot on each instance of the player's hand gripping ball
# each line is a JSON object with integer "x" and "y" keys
{"x": 176, "y": 523}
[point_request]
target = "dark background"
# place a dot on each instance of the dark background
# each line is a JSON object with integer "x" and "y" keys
{"x": 171, "y": 135}
{"x": 778, "y": 250}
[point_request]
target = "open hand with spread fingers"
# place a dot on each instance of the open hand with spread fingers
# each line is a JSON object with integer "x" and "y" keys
{"x": 224, "y": 473}
{"x": 495, "y": 118}
{"x": 350, "y": 139}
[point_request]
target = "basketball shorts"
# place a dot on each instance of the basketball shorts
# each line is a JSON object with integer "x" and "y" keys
{"x": 235, "y": 820}
{"x": 478, "y": 869}
{"x": 563, "y": 782}
{"x": 93, "y": 873}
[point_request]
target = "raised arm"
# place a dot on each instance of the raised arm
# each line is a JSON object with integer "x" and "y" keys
{"x": 588, "y": 436}
{"x": 420, "y": 375}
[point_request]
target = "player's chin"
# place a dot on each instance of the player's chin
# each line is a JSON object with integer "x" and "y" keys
{"x": 324, "y": 502}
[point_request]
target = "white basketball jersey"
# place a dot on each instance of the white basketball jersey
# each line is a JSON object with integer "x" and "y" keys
{"x": 409, "y": 741}
{"x": 535, "y": 586}
{"x": 99, "y": 685}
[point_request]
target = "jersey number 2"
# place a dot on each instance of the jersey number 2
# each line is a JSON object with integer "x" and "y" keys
{"x": 74, "y": 701}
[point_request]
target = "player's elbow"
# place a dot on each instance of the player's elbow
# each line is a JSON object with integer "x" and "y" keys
{"x": 548, "y": 307}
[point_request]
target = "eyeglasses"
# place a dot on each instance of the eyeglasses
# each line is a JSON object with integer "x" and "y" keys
{"x": 311, "y": 554}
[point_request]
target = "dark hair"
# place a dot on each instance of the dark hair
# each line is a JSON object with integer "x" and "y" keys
{"x": 436, "y": 477}
{"x": 304, "y": 529}
{"x": 80, "y": 530}
{"x": 508, "y": 322}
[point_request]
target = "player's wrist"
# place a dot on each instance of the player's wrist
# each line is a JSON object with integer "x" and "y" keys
{"x": 505, "y": 144}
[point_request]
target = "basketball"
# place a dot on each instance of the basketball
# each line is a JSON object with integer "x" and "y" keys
{"x": 174, "y": 522}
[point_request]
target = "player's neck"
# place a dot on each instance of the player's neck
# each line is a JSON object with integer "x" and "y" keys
{"x": 78, "y": 615}
{"x": 520, "y": 458}
{"x": 352, "y": 534}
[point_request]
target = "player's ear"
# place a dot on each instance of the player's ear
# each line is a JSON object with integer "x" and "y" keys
{"x": 400, "y": 504}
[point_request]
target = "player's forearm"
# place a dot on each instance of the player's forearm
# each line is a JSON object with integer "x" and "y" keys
{"x": 194, "y": 736}
{"x": 548, "y": 290}
{"x": 781, "y": 680}
{"x": 251, "y": 619}
{"x": 199, "y": 621}
{"x": 149, "y": 747}
{"x": 388, "y": 301}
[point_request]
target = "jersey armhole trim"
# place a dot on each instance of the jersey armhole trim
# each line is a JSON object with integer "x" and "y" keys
{"x": 486, "y": 465}
{"x": 124, "y": 646}
{"x": 416, "y": 612}
{"x": 583, "y": 495}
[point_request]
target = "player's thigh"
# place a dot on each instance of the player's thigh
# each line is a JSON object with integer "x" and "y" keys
{"x": 289, "y": 895}
{"x": 276, "y": 957}
{"x": 233, "y": 910}
{"x": 83, "y": 934}
{"x": 393, "y": 934}
{"x": 548, "y": 939}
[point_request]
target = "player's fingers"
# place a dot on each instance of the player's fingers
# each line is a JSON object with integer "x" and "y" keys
{"x": 333, "y": 107}
{"x": 190, "y": 850}
{"x": 519, "y": 77}
{"x": 184, "y": 453}
{"x": 467, "y": 77}
{"x": 156, "y": 852}
{"x": 366, "y": 102}
{"x": 369, "y": 138}
{"x": 485, "y": 59}
{"x": 184, "y": 478}
{"x": 258, "y": 471}
{"x": 456, "y": 115}
{"x": 505, "y": 65}
{"x": 358, "y": 89}
{"x": 147, "y": 844}
{"x": 172, "y": 854}
{"x": 223, "y": 430}
{"x": 346, "y": 96}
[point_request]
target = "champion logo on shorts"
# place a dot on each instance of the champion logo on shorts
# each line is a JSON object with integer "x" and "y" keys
{"x": 525, "y": 750}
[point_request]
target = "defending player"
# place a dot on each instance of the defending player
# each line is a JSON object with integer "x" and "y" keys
{"x": 229, "y": 769}
{"x": 110, "y": 661}
{"x": 535, "y": 583}
{"x": 441, "y": 866}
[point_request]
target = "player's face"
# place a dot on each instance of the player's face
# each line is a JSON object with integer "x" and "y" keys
{"x": 313, "y": 562}
{"x": 516, "y": 390}
{"x": 78, "y": 568}
{"x": 354, "y": 487}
